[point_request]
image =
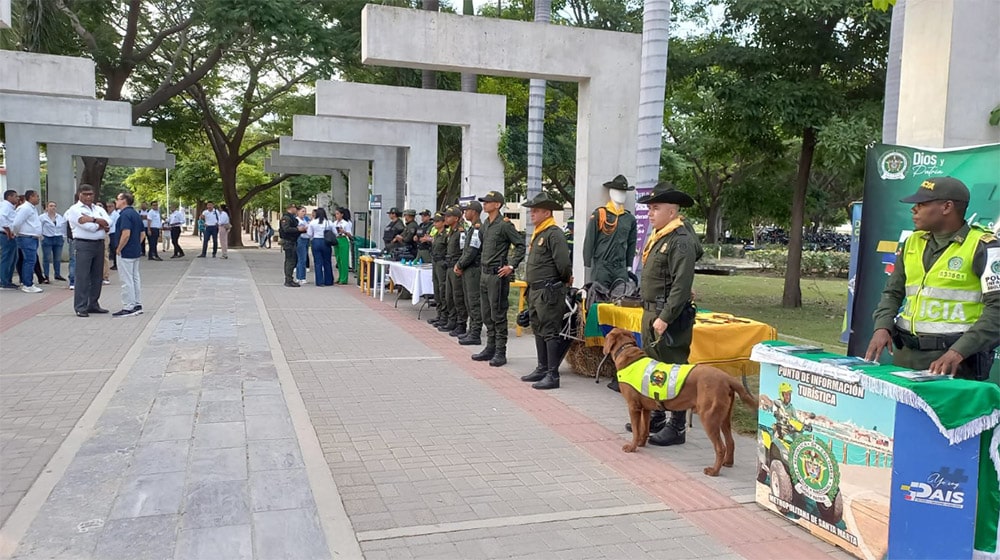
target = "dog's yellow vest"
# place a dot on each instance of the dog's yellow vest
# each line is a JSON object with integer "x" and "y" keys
{"x": 653, "y": 379}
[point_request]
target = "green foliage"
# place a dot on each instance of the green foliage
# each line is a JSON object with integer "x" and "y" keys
{"x": 147, "y": 185}
{"x": 724, "y": 250}
{"x": 819, "y": 263}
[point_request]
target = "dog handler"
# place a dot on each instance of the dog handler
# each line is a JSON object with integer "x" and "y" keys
{"x": 947, "y": 279}
{"x": 499, "y": 235}
{"x": 668, "y": 312}
{"x": 548, "y": 277}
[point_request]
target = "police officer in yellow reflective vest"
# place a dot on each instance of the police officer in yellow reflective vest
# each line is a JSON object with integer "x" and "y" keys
{"x": 941, "y": 305}
{"x": 439, "y": 248}
{"x": 548, "y": 276}
{"x": 469, "y": 269}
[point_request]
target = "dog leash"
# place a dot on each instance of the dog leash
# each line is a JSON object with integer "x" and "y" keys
{"x": 597, "y": 375}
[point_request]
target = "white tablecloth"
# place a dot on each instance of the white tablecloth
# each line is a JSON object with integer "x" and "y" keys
{"x": 417, "y": 280}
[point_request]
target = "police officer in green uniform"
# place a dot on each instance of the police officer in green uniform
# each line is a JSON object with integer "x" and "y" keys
{"x": 288, "y": 231}
{"x": 609, "y": 248}
{"x": 548, "y": 277}
{"x": 410, "y": 226}
{"x": 498, "y": 266}
{"x": 469, "y": 269}
{"x": 439, "y": 249}
{"x": 453, "y": 287}
{"x": 392, "y": 235}
{"x": 423, "y": 238}
{"x": 941, "y": 305}
{"x": 665, "y": 288}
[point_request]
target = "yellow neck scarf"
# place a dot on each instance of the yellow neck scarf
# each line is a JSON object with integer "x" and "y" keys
{"x": 546, "y": 224}
{"x": 674, "y": 224}
{"x": 613, "y": 207}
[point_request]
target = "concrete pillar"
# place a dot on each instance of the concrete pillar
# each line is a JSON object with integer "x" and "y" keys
{"x": 605, "y": 65}
{"x": 62, "y": 175}
{"x": 338, "y": 186}
{"x": 948, "y": 65}
{"x": 5, "y": 14}
{"x": 23, "y": 171}
{"x": 380, "y": 179}
{"x": 46, "y": 74}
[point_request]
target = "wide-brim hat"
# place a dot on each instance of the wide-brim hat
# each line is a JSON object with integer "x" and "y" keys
{"x": 619, "y": 183}
{"x": 665, "y": 193}
{"x": 939, "y": 188}
{"x": 543, "y": 201}
{"x": 492, "y": 196}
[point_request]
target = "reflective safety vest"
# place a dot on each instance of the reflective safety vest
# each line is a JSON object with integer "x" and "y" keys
{"x": 656, "y": 380}
{"x": 948, "y": 298}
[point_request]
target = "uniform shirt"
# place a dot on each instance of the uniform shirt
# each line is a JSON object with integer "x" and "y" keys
{"x": 315, "y": 230}
{"x": 26, "y": 221}
{"x": 454, "y": 250}
{"x": 223, "y": 218}
{"x": 392, "y": 229}
{"x": 984, "y": 334}
{"x": 472, "y": 245}
{"x": 498, "y": 237}
{"x": 176, "y": 218}
{"x": 409, "y": 232}
{"x": 548, "y": 259}
{"x": 53, "y": 227}
{"x": 130, "y": 220}
{"x": 669, "y": 271}
{"x": 345, "y": 227}
{"x": 424, "y": 228}
{"x": 89, "y": 230}
{"x": 211, "y": 217}
{"x": 7, "y": 212}
{"x": 609, "y": 254}
{"x": 155, "y": 220}
{"x": 288, "y": 228}
{"x": 439, "y": 246}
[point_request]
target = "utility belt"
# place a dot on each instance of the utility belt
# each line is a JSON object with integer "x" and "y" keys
{"x": 903, "y": 339}
{"x": 546, "y": 285}
{"x": 450, "y": 262}
{"x": 490, "y": 269}
{"x": 682, "y": 322}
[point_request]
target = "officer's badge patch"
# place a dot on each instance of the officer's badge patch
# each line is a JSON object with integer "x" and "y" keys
{"x": 663, "y": 249}
{"x": 657, "y": 378}
{"x": 991, "y": 276}
{"x": 541, "y": 241}
{"x": 955, "y": 263}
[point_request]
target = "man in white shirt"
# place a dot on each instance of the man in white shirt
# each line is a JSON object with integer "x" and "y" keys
{"x": 154, "y": 222}
{"x": 28, "y": 229}
{"x": 143, "y": 213}
{"x": 211, "y": 217}
{"x": 176, "y": 222}
{"x": 8, "y": 243}
{"x": 53, "y": 239}
{"x": 224, "y": 227}
{"x": 89, "y": 223}
{"x": 113, "y": 236}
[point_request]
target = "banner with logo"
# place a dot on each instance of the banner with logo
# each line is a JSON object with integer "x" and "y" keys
{"x": 642, "y": 228}
{"x": 895, "y": 172}
{"x": 825, "y": 457}
{"x": 933, "y": 491}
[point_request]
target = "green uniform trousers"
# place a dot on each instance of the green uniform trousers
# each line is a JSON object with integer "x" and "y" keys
{"x": 440, "y": 281}
{"x": 546, "y": 307}
{"x": 291, "y": 258}
{"x": 425, "y": 256}
{"x": 470, "y": 283}
{"x": 674, "y": 351}
{"x": 493, "y": 293}
{"x": 456, "y": 297}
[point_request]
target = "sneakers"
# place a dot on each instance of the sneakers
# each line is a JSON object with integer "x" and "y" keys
{"x": 31, "y": 289}
{"x": 128, "y": 312}
{"x": 105, "y": 282}
{"x": 303, "y": 281}
{"x": 72, "y": 287}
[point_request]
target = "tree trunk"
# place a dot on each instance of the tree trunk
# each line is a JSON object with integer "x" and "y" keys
{"x": 93, "y": 174}
{"x": 713, "y": 224}
{"x": 792, "y": 296}
{"x": 227, "y": 172}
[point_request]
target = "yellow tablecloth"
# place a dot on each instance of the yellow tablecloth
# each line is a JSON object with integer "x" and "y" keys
{"x": 720, "y": 339}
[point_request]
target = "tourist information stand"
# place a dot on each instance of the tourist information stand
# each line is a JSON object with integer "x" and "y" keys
{"x": 882, "y": 465}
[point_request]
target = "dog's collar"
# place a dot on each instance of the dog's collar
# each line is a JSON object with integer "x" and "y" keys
{"x": 622, "y": 348}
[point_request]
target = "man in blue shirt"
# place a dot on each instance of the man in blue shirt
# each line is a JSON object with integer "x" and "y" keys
{"x": 131, "y": 233}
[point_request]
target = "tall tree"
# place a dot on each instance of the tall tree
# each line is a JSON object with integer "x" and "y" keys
{"x": 800, "y": 64}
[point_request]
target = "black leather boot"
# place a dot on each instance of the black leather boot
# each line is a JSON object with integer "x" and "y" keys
{"x": 543, "y": 362}
{"x": 553, "y": 350}
{"x": 471, "y": 338}
{"x": 459, "y": 330}
{"x": 674, "y": 432}
{"x": 486, "y": 354}
{"x": 434, "y": 321}
{"x": 499, "y": 357}
{"x": 657, "y": 420}
{"x": 447, "y": 327}
{"x": 613, "y": 385}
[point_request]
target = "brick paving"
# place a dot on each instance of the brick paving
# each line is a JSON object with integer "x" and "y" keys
{"x": 241, "y": 419}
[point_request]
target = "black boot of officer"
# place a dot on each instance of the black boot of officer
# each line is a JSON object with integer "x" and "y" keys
{"x": 542, "y": 356}
{"x": 657, "y": 421}
{"x": 499, "y": 357}
{"x": 674, "y": 432}
{"x": 551, "y": 380}
{"x": 486, "y": 354}
{"x": 458, "y": 331}
{"x": 449, "y": 325}
{"x": 471, "y": 338}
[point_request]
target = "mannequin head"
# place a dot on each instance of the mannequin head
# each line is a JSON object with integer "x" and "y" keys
{"x": 617, "y": 196}
{"x": 618, "y": 189}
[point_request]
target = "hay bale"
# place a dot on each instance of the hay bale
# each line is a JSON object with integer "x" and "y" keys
{"x": 585, "y": 359}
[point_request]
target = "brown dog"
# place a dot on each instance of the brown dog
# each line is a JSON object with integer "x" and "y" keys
{"x": 707, "y": 390}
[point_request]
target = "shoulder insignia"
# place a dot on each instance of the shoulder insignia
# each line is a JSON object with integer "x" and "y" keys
{"x": 988, "y": 238}
{"x": 663, "y": 248}
{"x": 541, "y": 241}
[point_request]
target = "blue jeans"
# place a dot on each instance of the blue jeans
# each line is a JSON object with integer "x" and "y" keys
{"x": 29, "y": 248}
{"x": 72, "y": 261}
{"x": 302, "y": 255}
{"x": 8, "y": 256}
{"x": 52, "y": 253}
{"x": 322, "y": 262}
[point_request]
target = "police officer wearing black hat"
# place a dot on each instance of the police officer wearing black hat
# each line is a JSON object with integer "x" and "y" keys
{"x": 548, "y": 277}
{"x": 392, "y": 235}
{"x": 947, "y": 281}
{"x": 668, "y": 259}
{"x": 409, "y": 236}
{"x": 498, "y": 265}
{"x": 469, "y": 269}
{"x": 422, "y": 237}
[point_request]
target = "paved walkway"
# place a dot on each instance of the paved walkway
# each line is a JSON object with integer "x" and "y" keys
{"x": 241, "y": 419}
